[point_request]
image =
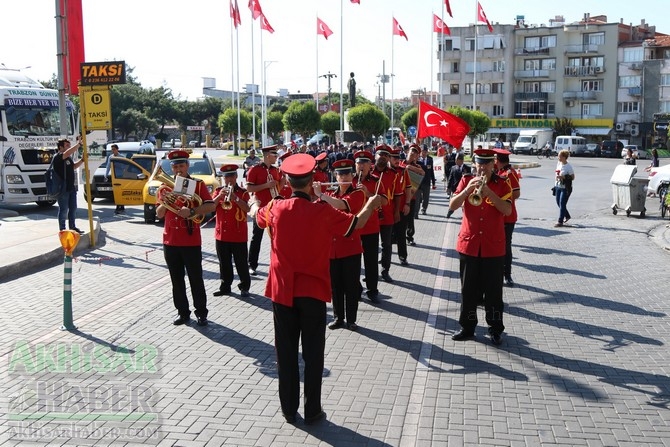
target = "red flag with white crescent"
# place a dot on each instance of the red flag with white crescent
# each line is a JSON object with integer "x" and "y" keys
{"x": 439, "y": 26}
{"x": 397, "y": 29}
{"x": 356, "y": 1}
{"x": 266, "y": 25}
{"x": 256, "y": 10}
{"x": 481, "y": 17}
{"x": 322, "y": 29}
{"x": 434, "y": 122}
{"x": 446, "y": 2}
{"x": 235, "y": 13}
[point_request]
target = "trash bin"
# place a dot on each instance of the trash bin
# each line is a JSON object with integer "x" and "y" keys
{"x": 629, "y": 192}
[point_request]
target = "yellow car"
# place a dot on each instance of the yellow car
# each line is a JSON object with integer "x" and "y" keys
{"x": 247, "y": 143}
{"x": 139, "y": 188}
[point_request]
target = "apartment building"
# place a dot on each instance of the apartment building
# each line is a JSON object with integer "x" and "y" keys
{"x": 608, "y": 78}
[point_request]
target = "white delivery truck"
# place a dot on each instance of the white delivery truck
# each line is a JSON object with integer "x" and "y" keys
{"x": 29, "y": 132}
{"x": 532, "y": 140}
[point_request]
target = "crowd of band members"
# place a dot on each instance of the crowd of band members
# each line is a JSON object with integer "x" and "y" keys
{"x": 361, "y": 177}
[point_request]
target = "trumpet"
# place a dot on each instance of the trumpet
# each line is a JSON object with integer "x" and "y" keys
{"x": 227, "y": 202}
{"x": 335, "y": 183}
{"x": 274, "y": 192}
{"x": 166, "y": 196}
{"x": 475, "y": 198}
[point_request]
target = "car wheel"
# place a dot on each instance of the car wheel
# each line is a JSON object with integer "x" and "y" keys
{"x": 149, "y": 214}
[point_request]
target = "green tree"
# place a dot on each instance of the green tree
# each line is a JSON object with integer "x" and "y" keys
{"x": 563, "y": 126}
{"x": 227, "y": 122}
{"x": 368, "y": 120}
{"x": 302, "y": 118}
{"x": 410, "y": 118}
{"x": 478, "y": 121}
{"x": 330, "y": 122}
{"x": 275, "y": 123}
{"x": 161, "y": 107}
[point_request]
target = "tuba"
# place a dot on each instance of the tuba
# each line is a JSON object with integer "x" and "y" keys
{"x": 475, "y": 198}
{"x": 171, "y": 200}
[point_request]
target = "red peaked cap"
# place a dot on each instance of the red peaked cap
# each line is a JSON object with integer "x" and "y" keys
{"x": 298, "y": 165}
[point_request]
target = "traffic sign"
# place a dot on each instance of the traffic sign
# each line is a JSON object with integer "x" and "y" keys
{"x": 97, "y": 107}
{"x": 195, "y": 127}
{"x": 411, "y": 130}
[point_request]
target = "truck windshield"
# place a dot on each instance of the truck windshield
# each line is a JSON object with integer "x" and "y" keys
{"x": 32, "y": 121}
{"x": 524, "y": 139}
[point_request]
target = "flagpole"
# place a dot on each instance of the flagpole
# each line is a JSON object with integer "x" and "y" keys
{"x": 432, "y": 42}
{"x": 392, "y": 77}
{"x": 474, "y": 69}
{"x": 253, "y": 86}
{"x": 232, "y": 62}
{"x": 317, "y": 67}
{"x": 341, "y": 68}
{"x": 237, "y": 56}
{"x": 263, "y": 70}
{"x": 441, "y": 104}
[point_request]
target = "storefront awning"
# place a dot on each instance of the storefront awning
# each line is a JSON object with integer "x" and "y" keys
{"x": 594, "y": 130}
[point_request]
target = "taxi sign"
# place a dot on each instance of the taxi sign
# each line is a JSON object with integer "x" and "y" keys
{"x": 103, "y": 73}
{"x": 97, "y": 108}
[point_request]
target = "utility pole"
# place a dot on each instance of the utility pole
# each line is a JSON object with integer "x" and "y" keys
{"x": 384, "y": 79}
{"x": 330, "y": 76}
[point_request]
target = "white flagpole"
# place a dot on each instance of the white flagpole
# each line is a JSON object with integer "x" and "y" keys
{"x": 392, "y": 77}
{"x": 432, "y": 43}
{"x": 317, "y": 68}
{"x": 262, "y": 96}
{"x": 237, "y": 56}
{"x": 474, "y": 69}
{"x": 341, "y": 69}
{"x": 253, "y": 84}
{"x": 441, "y": 105}
{"x": 232, "y": 61}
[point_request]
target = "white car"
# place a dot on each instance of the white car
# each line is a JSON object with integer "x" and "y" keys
{"x": 658, "y": 176}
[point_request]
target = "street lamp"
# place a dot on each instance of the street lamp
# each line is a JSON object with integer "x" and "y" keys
{"x": 329, "y": 76}
{"x": 264, "y": 108}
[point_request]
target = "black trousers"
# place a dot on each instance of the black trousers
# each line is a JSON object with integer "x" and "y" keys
{"x": 229, "y": 252}
{"x": 410, "y": 221}
{"x": 386, "y": 236}
{"x": 399, "y": 235}
{"x": 481, "y": 281}
{"x": 346, "y": 291}
{"x": 509, "y": 229}
{"x": 305, "y": 321}
{"x": 179, "y": 259}
{"x": 255, "y": 245}
{"x": 370, "y": 260}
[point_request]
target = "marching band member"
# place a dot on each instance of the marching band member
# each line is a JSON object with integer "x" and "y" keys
{"x": 182, "y": 245}
{"x": 486, "y": 199}
{"x": 299, "y": 282}
{"x": 405, "y": 185}
{"x": 505, "y": 170}
{"x": 345, "y": 251}
{"x": 285, "y": 190}
{"x": 388, "y": 183}
{"x": 367, "y": 181}
{"x": 321, "y": 173}
{"x": 231, "y": 232}
{"x": 264, "y": 182}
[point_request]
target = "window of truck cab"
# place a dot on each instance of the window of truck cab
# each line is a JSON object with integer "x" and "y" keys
{"x": 32, "y": 121}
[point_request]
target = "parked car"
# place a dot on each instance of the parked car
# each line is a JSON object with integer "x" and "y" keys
{"x": 638, "y": 152}
{"x": 611, "y": 148}
{"x": 658, "y": 176}
{"x": 593, "y": 149}
{"x": 247, "y": 143}
{"x": 101, "y": 187}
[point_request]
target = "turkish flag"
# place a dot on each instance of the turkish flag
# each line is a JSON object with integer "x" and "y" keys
{"x": 266, "y": 25}
{"x": 481, "y": 17}
{"x": 256, "y": 10}
{"x": 446, "y": 2}
{"x": 434, "y": 122}
{"x": 322, "y": 29}
{"x": 235, "y": 14}
{"x": 439, "y": 26}
{"x": 397, "y": 29}
{"x": 356, "y": 1}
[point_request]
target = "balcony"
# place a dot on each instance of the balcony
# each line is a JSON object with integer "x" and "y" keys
{"x": 531, "y": 50}
{"x": 531, "y": 74}
{"x": 588, "y": 95}
{"x": 531, "y": 96}
{"x": 580, "y": 49}
{"x": 635, "y": 91}
{"x": 583, "y": 71}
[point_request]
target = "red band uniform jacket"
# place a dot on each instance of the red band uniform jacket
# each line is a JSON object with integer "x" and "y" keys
{"x": 344, "y": 246}
{"x": 181, "y": 232}
{"x": 231, "y": 225}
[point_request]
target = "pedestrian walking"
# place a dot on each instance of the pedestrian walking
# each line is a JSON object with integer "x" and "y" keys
{"x": 120, "y": 209}
{"x": 565, "y": 174}
{"x": 64, "y": 165}
{"x": 505, "y": 170}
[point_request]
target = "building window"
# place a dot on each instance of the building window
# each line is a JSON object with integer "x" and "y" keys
{"x": 664, "y": 107}
{"x": 592, "y": 86}
{"x": 531, "y": 87}
{"x": 548, "y": 41}
{"x": 632, "y": 81}
{"x": 665, "y": 79}
{"x": 548, "y": 64}
{"x": 551, "y": 109}
{"x": 548, "y": 86}
{"x": 469, "y": 44}
{"x": 498, "y": 111}
{"x": 629, "y": 107}
{"x": 498, "y": 87}
{"x": 531, "y": 43}
{"x": 455, "y": 67}
{"x": 595, "y": 109}
{"x": 499, "y": 66}
{"x": 594, "y": 39}
{"x": 453, "y": 89}
{"x": 531, "y": 64}
{"x": 633, "y": 54}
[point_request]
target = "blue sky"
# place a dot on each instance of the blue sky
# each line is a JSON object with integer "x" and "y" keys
{"x": 176, "y": 44}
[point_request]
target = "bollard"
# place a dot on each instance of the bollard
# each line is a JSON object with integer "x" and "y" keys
{"x": 68, "y": 240}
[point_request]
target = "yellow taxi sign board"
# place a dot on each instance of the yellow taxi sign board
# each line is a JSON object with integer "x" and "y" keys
{"x": 97, "y": 107}
{"x": 103, "y": 73}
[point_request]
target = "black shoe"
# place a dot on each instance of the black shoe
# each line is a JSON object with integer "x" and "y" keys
{"x": 372, "y": 295}
{"x": 386, "y": 277}
{"x": 463, "y": 335}
{"x": 252, "y": 271}
{"x": 337, "y": 324}
{"x": 202, "y": 321}
{"x": 289, "y": 418}
{"x": 181, "y": 319}
{"x": 423, "y": 211}
{"x": 316, "y": 418}
{"x": 403, "y": 261}
{"x": 496, "y": 339}
{"x": 77, "y": 230}
{"x": 411, "y": 242}
{"x": 509, "y": 282}
{"x": 352, "y": 327}
{"x": 449, "y": 213}
{"x": 244, "y": 293}
{"x": 222, "y": 292}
